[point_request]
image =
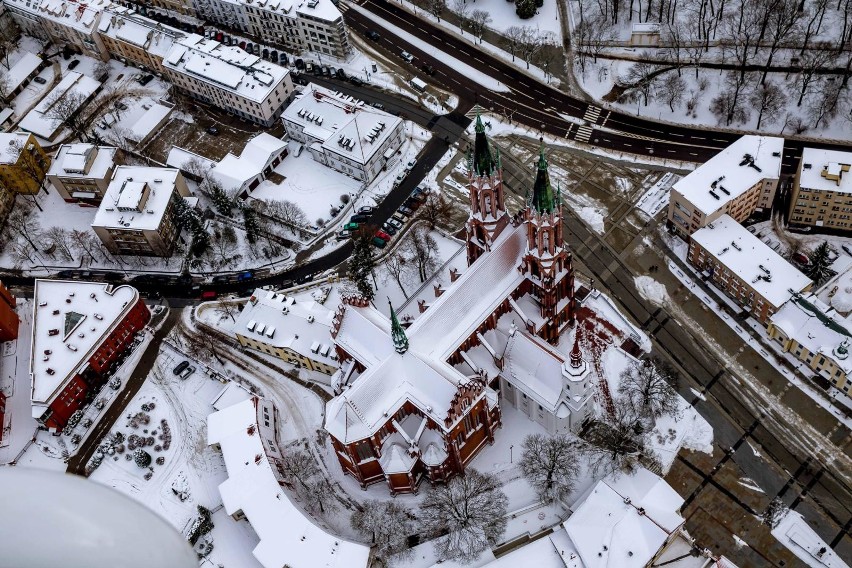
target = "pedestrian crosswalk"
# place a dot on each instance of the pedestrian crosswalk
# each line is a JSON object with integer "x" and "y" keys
{"x": 584, "y": 133}
{"x": 474, "y": 111}
{"x": 592, "y": 114}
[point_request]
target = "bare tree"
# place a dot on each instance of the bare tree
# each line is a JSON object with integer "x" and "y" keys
{"x": 61, "y": 239}
{"x": 387, "y": 524}
{"x": 727, "y": 105}
{"x": 397, "y": 267}
{"x": 512, "y": 38}
{"x": 550, "y": 464}
{"x": 670, "y": 89}
{"x": 304, "y": 475}
{"x": 437, "y": 7}
{"x": 811, "y": 62}
{"x": 286, "y": 211}
{"x": 86, "y": 243}
{"x": 649, "y": 387}
{"x": 641, "y": 77}
{"x": 825, "y": 102}
{"x": 782, "y": 25}
{"x": 616, "y": 443}
{"x": 469, "y": 511}
{"x": 7, "y": 46}
{"x": 22, "y": 223}
{"x": 195, "y": 169}
{"x": 461, "y": 9}
{"x": 421, "y": 250}
{"x": 768, "y": 98}
{"x": 479, "y": 20}
{"x": 5, "y": 85}
{"x": 204, "y": 347}
{"x": 31, "y": 164}
{"x": 436, "y": 210}
{"x": 814, "y": 14}
{"x": 66, "y": 109}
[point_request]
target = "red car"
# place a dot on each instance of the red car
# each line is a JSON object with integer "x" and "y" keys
{"x": 383, "y": 235}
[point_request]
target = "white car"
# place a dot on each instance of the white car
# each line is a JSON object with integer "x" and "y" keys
{"x": 410, "y": 165}
{"x": 407, "y": 56}
{"x": 399, "y": 178}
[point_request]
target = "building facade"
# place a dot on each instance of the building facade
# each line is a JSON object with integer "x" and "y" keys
{"x": 75, "y": 23}
{"x": 23, "y": 162}
{"x": 739, "y": 181}
{"x": 137, "y": 213}
{"x": 81, "y": 333}
{"x": 133, "y": 38}
{"x": 229, "y": 78}
{"x": 81, "y": 173}
{"x": 753, "y": 275}
{"x": 822, "y": 190}
{"x": 9, "y": 319}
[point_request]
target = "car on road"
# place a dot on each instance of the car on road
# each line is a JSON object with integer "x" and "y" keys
{"x": 243, "y": 276}
{"x": 350, "y": 227}
{"x": 383, "y": 235}
{"x": 40, "y": 80}
{"x": 359, "y": 218}
{"x": 373, "y": 35}
{"x": 187, "y": 372}
{"x": 410, "y": 165}
{"x": 407, "y": 211}
{"x": 379, "y": 243}
{"x": 304, "y": 278}
{"x": 220, "y": 278}
{"x": 180, "y": 367}
{"x": 356, "y": 81}
{"x": 213, "y": 130}
{"x": 379, "y": 106}
{"x": 428, "y": 69}
{"x": 399, "y": 178}
{"x": 343, "y": 235}
{"x": 407, "y": 56}
{"x": 74, "y": 64}
{"x": 395, "y": 223}
{"x": 366, "y": 210}
{"x": 209, "y": 295}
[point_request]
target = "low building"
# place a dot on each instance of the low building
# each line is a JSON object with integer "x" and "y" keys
{"x": 81, "y": 173}
{"x": 753, "y": 275}
{"x": 817, "y": 335}
{"x": 645, "y": 34}
{"x": 229, "y": 78}
{"x": 76, "y": 88}
{"x": 247, "y": 435}
{"x": 81, "y": 333}
{"x": 243, "y": 173}
{"x": 151, "y": 121}
{"x": 738, "y": 181}
{"x": 343, "y": 132}
{"x": 21, "y": 73}
{"x": 822, "y": 190}
{"x": 136, "y": 215}
{"x": 9, "y": 319}
{"x": 23, "y": 163}
{"x": 295, "y": 328}
{"x": 133, "y": 38}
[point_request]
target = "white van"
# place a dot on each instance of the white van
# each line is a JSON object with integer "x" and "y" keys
{"x": 418, "y": 84}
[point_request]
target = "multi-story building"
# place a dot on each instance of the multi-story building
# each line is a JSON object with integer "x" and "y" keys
{"x": 817, "y": 335}
{"x": 136, "y": 215}
{"x": 315, "y": 26}
{"x": 753, "y": 275}
{"x": 8, "y": 316}
{"x": 81, "y": 332}
{"x": 130, "y": 37}
{"x": 26, "y": 16}
{"x": 738, "y": 181}
{"x": 75, "y": 23}
{"x": 229, "y": 78}
{"x": 344, "y": 133}
{"x": 247, "y": 435}
{"x": 23, "y": 162}
{"x": 418, "y": 403}
{"x": 822, "y": 191}
{"x": 81, "y": 173}
{"x": 295, "y": 328}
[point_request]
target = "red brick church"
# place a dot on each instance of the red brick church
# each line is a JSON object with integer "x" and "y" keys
{"x": 420, "y": 403}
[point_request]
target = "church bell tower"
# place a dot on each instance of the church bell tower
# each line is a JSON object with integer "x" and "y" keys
{"x": 488, "y": 216}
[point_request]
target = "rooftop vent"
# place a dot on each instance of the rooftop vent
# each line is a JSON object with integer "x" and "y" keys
{"x": 52, "y": 332}
{"x": 807, "y": 166}
{"x": 714, "y": 194}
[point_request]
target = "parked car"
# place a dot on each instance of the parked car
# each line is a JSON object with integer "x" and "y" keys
{"x": 213, "y": 130}
{"x": 146, "y": 79}
{"x": 343, "y": 235}
{"x": 220, "y": 36}
{"x": 265, "y": 53}
{"x": 304, "y": 278}
{"x": 309, "y": 67}
{"x": 407, "y": 56}
{"x": 356, "y": 81}
{"x": 388, "y": 228}
{"x": 341, "y": 74}
{"x": 801, "y": 259}
{"x": 401, "y": 217}
{"x": 419, "y": 194}
{"x": 120, "y": 106}
{"x": 383, "y": 235}
{"x": 359, "y": 218}
{"x": 249, "y": 48}
{"x": 40, "y": 80}
{"x": 411, "y": 203}
{"x": 410, "y": 165}
{"x": 300, "y": 63}
{"x": 242, "y": 45}
{"x": 350, "y": 227}
{"x": 366, "y": 210}
{"x": 180, "y": 367}
{"x": 187, "y": 372}
{"x": 273, "y": 56}
{"x": 257, "y": 49}
{"x": 399, "y": 178}
{"x": 395, "y": 223}
{"x": 407, "y": 211}
{"x": 379, "y": 243}
{"x": 379, "y": 106}
{"x": 74, "y": 64}
{"x": 373, "y": 35}
{"x": 243, "y": 276}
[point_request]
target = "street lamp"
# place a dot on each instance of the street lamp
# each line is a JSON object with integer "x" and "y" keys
{"x": 510, "y": 453}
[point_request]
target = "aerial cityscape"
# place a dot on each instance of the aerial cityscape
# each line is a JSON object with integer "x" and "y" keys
{"x": 422, "y": 283}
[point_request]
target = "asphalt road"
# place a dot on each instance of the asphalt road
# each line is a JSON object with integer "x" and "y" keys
{"x": 543, "y": 107}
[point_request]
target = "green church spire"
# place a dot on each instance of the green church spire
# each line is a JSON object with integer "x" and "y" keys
{"x": 542, "y": 198}
{"x": 483, "y": 162}
{"x": 400, "y": 340}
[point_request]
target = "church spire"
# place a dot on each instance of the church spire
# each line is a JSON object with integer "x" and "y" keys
{"x": 542, "y": 198}
{"x": 400, "y": 341}
{"x": 483, "y": 162}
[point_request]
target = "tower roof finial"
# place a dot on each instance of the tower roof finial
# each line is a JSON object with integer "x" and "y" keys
{"x": 484, "y": 163}
{"x": 542, "y": 198}
{"x": 400, "y": 340}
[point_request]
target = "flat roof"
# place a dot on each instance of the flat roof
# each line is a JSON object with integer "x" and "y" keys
{"x": 125, "y": 24}
{"x": 81, "y": 16}
{"x": 829, "y": 161}
{"x": 11, "y": 144}
{"x": 70, "y": 161}
{"x": 70, "y": 320}
{"x": 730, "y": 173}
{"x": 234, "y": 171}
{"x": 21, "y": 70}
{"x": 125, "y": 191}
{"x": 149, "y": 120}
{"x": 818, "y": 327}
{"x": 751, "y": 260}
{"x": 45, "y": 127}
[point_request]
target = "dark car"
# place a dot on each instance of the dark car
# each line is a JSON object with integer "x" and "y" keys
{"x": 300, "y": 64}
{"x": 180, "y": 367}
{"x": 359, "y": 218}
{"x": 243, "y": 276}
{"x": 373, "y": 35}
{"x": 146, "y": 79}
{"x": 407, "y": 211}
{"x": 356, "y": 81}
{"x": 379, "y": 243}
{"x": 40, "y": 80}
{"x": 389, "y": 229}
{"x": 213, "y": 130}
{"x": 249, "y": 48}
{"x": 74, "y": 64}
{"x": 304, "y": 278}
{"x": 242, "y": 45}
{"x": 428, "y": 69}
{"x": 341, "y": 74}
{"x": 219, "y": 279}
{"x": 265, "y": 53}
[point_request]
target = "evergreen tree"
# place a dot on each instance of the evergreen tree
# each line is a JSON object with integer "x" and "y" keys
{"x": 820, "y": 268}
{"x": 141, "y": 457}
{"x": 362, "y": 263}
{"x": 525, "y": 9}
{"x": 189, "y": 219}
{"x": 251, "y": 225}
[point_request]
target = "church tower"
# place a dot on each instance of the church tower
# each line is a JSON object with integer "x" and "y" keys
{"x": 488, "y": 216}
{"x": 547, "y": 264}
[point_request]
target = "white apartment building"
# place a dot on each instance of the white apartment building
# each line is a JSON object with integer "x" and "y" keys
{"x": 132, "y": 38}
{"x": 344, "y": 133}
{"x": 136, "y": 214}
{"x": 229, "y": 78}
{"x": 75, "y": 23}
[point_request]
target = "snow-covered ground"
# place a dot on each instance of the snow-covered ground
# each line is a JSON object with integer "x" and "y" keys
{"x": 657, "y": 196}
{"x": 19, "y": 425}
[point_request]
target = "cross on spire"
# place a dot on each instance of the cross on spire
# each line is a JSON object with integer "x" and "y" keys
{"x": 400, "y": 340}
{"x": 484, "y": 163}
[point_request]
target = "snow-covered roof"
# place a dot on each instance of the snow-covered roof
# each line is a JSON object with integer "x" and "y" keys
{"x": 81, "y": 16}
{"x": 149, "y": 120}
{"x": 70, "y": 321}
{"x": 296, "y": 321}
{"x": 231, "y": 394}
{"x": 826, "y": 170}
{"x": 126, "y": 25}
{"x": 21, "y": 70}
{"x": 136, "y": 198}
{"x": 319, "y": 10}
{"x": 344, "y": 125}
{"x": 287, "y": 536}
{"x": 817, "y": 327}
{"x": 794, "y": 532}
{"x": 624, "y": 520}
{"x": 178, "y": 158}
{"x": 72, "y": 160}
{"x": 35, "y": 120}
{"x": 233, "y": 172}
{"x": 751, "y": 260}
{"x": 11, "y": 144}
{"x": 227, "y": 67}
{"x": 730, "y": 173}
